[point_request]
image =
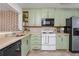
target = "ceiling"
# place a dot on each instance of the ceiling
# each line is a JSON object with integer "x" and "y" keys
{"x": 5, "y": 6}
{"x": 48, "y": 5}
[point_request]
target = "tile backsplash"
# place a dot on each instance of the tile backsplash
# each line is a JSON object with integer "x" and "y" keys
{"x": 8, "y": 21}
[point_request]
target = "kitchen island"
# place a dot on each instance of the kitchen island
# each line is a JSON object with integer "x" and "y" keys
{"x": 8, "y": 45}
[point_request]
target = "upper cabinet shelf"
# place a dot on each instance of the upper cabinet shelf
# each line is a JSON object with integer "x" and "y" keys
{"x": 25, "y": 15}
{"x": 25, "y": 20}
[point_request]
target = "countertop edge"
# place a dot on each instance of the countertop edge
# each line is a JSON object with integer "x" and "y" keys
{"x": 14, "y": 39}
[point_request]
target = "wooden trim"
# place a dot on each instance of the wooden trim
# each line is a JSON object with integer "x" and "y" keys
{"x": 25, "y": 11}
{"x": 61, "y": 49}
{"x": 28, "y": 53}
{"x": 33, "y": 26}
{"x": 25, "y": 21}
{"x": 45, "y": 26}
{"x": 59, "y": 26}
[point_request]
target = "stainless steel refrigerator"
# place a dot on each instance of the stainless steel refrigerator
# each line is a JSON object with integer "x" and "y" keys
{"x": 74, "y": 34}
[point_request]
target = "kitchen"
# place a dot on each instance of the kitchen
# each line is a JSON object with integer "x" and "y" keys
{"x": 39, "y": 29}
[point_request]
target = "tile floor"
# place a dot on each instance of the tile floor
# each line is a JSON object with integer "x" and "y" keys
{"x": 52, "y": 53}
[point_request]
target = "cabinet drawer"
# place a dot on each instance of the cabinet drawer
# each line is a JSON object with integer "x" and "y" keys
{"x": 35, "y": 39}
{"x": 35, "y": 42}
{"x": 50, "y": 47}
{"x": 38, "y": 46}
{"x": 36, "y": 35}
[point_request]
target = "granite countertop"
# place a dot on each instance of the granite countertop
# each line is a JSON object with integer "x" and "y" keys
{"x": 5, "y": 41}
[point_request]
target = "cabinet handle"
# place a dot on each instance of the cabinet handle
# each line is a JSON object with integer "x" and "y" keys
{"x": 48, "y": 39}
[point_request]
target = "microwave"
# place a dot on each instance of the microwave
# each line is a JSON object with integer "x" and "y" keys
{"x": 47, "y": 22}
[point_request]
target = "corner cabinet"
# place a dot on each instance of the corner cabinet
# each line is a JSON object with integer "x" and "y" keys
{"x": 25, "y": 45}
{"x": 62, "y": 41}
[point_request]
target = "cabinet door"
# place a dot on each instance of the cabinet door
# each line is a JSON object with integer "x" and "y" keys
{"x": 24, "y": 47}
{"x": 57, "y": 17}
{"x": 69, "y": 13}
{"x": 62, "y": 18}
{"x": 29, "y": 42}
{"x": 52, "y": 40}
{"x": 44, "y": 13}
{"x": 38, "y": 17}
{"x": 65, "y": 42}
{"x": 51, "y": 13}
{"x": 45, "y": 40}
{"x": 32, "y": 16}
{"x": 35, "y": 41}
{"x": 35, "y": 16}
{"x": 59, "y": 42}
{"x": 76, "y": 13}
{"x": 36, "y": 46}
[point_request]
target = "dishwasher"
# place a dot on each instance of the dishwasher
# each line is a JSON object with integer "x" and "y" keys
{"x": 48, "y": 40}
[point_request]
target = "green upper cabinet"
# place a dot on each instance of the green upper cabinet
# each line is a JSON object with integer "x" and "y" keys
{"x": 51, "y": 13}
{"x": 59, "y": 14}
{"x": 35, "y": 17}
{"x": 68, "y": 13}
{"x": 32, "y": 17}
{"x": 48, "y": 13}
{"x": 38, "y": 17}
{"x": 44, "y": 13}
{"x": 59, "y": 17}
{"x": 76, "y": 12}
